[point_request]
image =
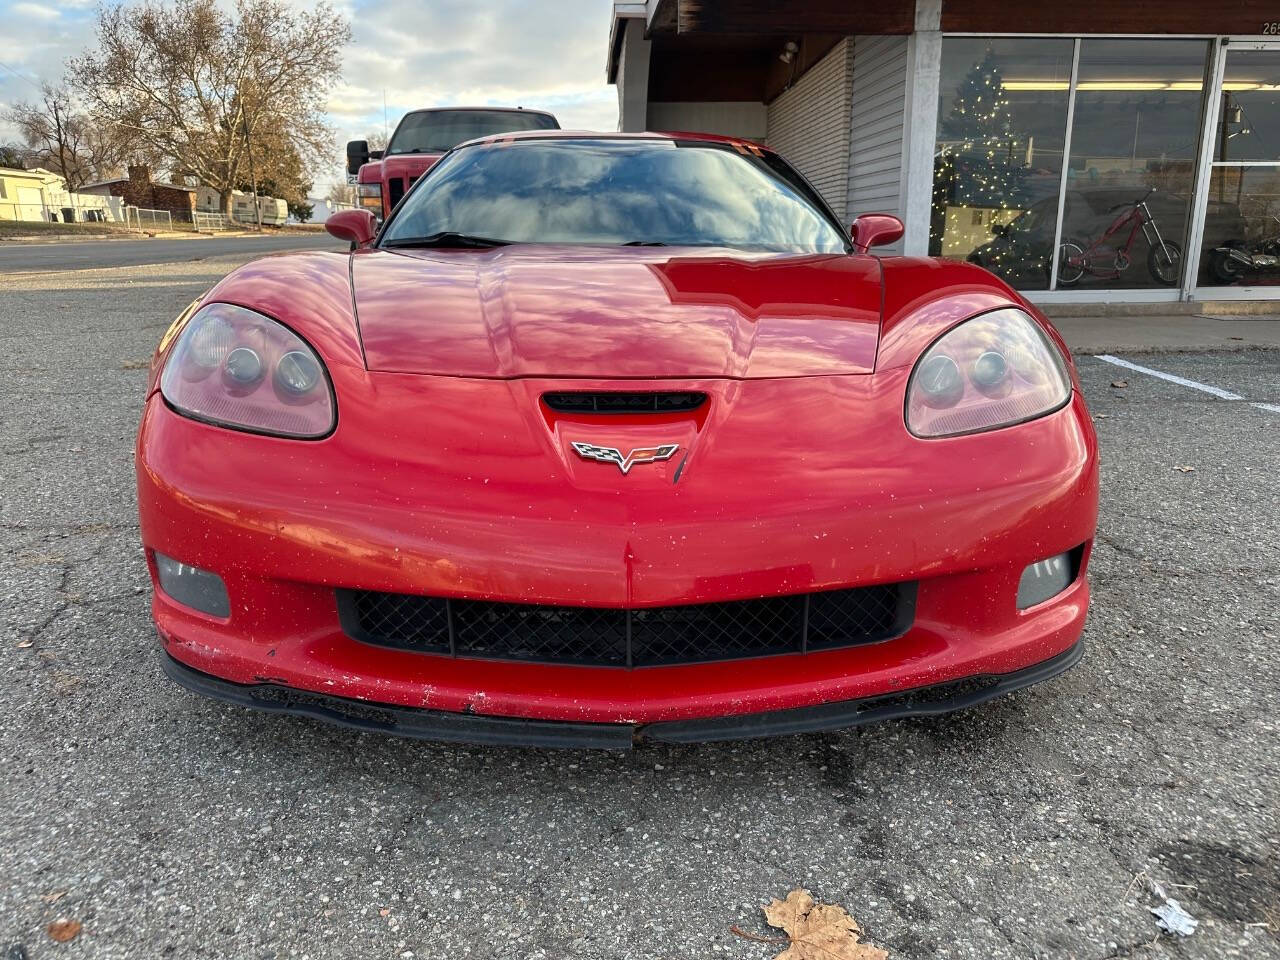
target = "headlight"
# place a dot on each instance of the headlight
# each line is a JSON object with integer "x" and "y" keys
{"x": 369, "y": 197}
{"x": 237, "y": 368}
{"x": 993, "y": 371}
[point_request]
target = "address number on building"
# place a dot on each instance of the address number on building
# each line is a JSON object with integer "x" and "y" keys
{"x": 1271, "y": 28}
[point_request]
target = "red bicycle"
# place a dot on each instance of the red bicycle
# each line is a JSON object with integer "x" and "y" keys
{"x": 1108, "y": 260}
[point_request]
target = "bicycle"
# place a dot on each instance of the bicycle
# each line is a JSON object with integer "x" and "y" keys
{"x": 1109, "y": 262}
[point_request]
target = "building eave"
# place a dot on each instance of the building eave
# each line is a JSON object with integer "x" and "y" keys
{"x": 624, "y": 10}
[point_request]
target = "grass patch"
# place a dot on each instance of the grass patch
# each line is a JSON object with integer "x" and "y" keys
{"x": 21, "y": 229}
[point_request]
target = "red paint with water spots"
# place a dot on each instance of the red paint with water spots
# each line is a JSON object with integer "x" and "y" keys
{"x": 447, "y": 476}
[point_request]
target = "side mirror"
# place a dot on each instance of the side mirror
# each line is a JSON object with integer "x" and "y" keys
{"x": 875, "y": 230}
{"x": 357, "y": 227}
{"x": 357, "y": 155}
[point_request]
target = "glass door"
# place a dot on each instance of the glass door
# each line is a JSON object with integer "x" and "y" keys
{"x": 1240, "y": 240}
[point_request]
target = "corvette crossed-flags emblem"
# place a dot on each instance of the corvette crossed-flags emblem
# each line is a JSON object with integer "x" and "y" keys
{"x": 589, "y": 451}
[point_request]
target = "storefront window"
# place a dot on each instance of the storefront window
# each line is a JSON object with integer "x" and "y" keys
{"x": 1241, "y": 243}
{"x": 1002, "y": 118}
{"x": 1131, "y": 173}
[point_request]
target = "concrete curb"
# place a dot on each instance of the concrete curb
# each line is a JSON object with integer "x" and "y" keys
{"x": 1136, "y": 333}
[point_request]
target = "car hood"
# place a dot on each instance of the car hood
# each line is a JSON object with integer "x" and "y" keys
{"x": 550, "y": 311}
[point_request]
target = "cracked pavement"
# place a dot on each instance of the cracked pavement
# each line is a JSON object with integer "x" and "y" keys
{"x": 1033, "y": 827}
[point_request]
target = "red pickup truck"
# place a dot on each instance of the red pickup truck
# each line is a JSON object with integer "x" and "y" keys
{"x": 423, "y": 137}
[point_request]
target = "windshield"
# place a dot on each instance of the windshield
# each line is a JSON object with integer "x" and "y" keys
{"x": 618, "y": 191}
{"x": 438, "y": 131}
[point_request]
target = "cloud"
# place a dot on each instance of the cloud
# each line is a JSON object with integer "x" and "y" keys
{"x": 34, "y": 11}
{"x": 543, "y": 54}
{"x": 32, "y": 53}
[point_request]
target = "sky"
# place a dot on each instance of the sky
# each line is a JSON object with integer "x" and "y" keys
{"x": 545, "y": 54}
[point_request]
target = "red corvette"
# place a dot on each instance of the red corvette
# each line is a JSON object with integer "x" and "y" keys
{"x": 607, "y": 438}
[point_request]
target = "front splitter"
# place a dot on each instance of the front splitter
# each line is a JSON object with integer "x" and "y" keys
{"x": 424, "y": 724}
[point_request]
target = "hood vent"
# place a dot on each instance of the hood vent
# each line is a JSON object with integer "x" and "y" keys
{"x": 624, "y": 402}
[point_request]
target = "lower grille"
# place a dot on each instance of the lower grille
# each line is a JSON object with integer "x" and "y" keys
{"x": 643, "y": 637}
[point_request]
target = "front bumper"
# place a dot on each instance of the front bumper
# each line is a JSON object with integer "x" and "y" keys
{"x": 423, "y": 724}
{"x": 479, "y": 501}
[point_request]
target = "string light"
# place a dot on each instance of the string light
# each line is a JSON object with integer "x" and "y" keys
{"x": 979, "y": 168}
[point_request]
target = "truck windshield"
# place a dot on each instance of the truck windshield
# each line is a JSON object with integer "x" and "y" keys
{"x": 437, "y": 131}
{"x": 637, "y": 192}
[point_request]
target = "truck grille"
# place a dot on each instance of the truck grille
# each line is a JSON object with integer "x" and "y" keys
{"x": 395, "y": 191}
{"x": 642, "y": 637}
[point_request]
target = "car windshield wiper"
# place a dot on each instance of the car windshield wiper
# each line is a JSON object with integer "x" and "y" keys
{"x": 446, "y": 238}
{"x": 643, "y": 243}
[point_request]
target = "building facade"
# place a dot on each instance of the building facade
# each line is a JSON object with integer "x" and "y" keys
{"x": 1087, "y": 152}
{"x": 24, "y": 194}
{"x": 139, "y": 190}
{"x": 41, "y": 195}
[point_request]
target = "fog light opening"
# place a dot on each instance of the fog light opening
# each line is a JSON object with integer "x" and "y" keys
{"x": 192, "y": 587}
{"x": 1045, "y": 579}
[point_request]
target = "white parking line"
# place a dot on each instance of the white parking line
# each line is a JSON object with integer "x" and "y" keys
{"x": 1182, "y": 381}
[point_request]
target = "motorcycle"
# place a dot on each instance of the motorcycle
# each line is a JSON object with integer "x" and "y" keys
{"x": 1231, "y": 264}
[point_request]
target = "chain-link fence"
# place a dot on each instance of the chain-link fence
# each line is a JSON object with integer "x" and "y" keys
{"x": 61, "y": 207}
{"x": 12, "y": 210}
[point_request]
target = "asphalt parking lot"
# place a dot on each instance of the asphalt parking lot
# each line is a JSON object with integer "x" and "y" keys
{"x": 1033, "y": 827}
{"x": 28, "y": 255}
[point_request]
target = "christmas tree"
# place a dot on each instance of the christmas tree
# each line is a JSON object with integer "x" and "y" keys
{"x": 979, "y": 164}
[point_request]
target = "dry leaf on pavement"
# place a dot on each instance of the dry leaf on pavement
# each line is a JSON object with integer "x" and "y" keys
{"x": 63, "y": 930}
{"x": 1119, "y": 384}
{"x": 818, "y": 931}
{"x": 1185, "y": 469}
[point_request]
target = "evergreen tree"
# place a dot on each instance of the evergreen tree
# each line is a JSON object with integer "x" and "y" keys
{"x": 982, "y": 165}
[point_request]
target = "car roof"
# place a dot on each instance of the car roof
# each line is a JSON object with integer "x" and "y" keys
{"x": 544, "y": 113}
{"x": 615, "y": 135}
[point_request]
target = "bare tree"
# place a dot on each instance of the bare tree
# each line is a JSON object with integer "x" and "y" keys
{"x": 13, "y": 156}
{"x": 376, "y": 140}
{"x": 62, "y": 138}
{"x": 204, "y": 92}
{"x": 342, "y": 195}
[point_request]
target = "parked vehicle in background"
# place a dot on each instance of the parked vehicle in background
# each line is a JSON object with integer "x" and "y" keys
{"x": 1019, "y": 252}
{"x": 423, "y": 137}
{"x": 274, "y": 211}
{"x": 1236, "y": 261}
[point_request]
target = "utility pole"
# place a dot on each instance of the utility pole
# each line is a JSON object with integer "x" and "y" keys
{"x": 253, "y": 177}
